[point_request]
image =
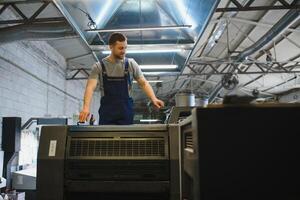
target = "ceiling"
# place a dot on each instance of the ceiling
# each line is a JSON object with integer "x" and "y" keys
{"x": 233, "y": 39}
{"x": 117, "y": 14}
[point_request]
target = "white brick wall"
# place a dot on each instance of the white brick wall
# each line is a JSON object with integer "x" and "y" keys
{"x": 32, "y": 83}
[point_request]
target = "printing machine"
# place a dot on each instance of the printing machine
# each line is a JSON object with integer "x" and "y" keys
{"x": 109, "y": 162}
{"x": 24, "y": 180}
{"x": 178, "y": 114}
{"x": 242, "y": 152}
{"x": 2, "y": 182}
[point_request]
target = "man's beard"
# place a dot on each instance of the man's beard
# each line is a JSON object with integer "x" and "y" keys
{"x": 119, "y": 56}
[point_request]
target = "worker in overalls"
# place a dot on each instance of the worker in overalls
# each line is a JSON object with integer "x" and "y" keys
{"x": 115, "y": 74}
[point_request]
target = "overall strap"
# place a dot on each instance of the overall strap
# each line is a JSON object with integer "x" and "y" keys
{"x": 103, "y": 68}
{"x": 126, "y": 71}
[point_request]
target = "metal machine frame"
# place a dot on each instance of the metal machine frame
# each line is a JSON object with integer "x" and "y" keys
{"x": 60, "y": 165}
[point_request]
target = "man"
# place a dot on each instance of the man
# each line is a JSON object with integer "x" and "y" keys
{"x": 115, "y": 74}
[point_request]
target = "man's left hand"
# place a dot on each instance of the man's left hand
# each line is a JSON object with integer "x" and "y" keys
{"x": 158, "y": 103}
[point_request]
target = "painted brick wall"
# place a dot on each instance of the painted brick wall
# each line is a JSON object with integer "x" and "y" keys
{"x": 32, "y": 84}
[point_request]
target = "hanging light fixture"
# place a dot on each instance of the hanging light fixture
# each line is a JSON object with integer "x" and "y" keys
{"x": 153, "y": 28}
{"x": 140, "y": 51}
{"x": 91, "y": 24}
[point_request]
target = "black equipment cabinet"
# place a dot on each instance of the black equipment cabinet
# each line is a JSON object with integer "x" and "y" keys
{"x": 109, "y": 162}
{"x": 241, "y": 152}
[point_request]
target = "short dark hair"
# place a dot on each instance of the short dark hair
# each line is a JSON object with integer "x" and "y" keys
{"x": 114, "y": 37}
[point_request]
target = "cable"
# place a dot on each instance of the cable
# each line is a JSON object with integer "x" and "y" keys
{"x": 91, "y": 24}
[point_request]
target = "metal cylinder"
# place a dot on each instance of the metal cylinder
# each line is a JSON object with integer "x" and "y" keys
{"x": 183, "y": 99}
{"x": 201, "y": 102}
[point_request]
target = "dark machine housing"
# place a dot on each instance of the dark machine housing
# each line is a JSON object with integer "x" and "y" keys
{"x": 109, "y": 162}
{"x": 241, "y": 152}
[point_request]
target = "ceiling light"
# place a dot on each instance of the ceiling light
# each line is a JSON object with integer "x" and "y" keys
{"x": 183, "y": 11}
{"x": 92, "y": 24}
{"x": 158, "y": 66}
{"x": 106, "y": 7}
{"x": 151, "y": 81}
{"x": 150, "y": 120}
{"x": 161, "y": 73}
{"x": 140, "y": 29}
{"x": 149, "y": 51}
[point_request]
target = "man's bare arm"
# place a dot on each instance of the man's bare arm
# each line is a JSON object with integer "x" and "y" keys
{"x": 146, "y": 87}
{"x": 89, "y": 90}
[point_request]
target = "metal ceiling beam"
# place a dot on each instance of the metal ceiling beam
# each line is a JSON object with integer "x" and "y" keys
{"x": 39, "y": 10}
{"x": 248, "y": 32}
{"x": 79, "y": 56}
{"x": 277, "y": 41}
{"x": 280, "y": 26}
{"x": 268, "y": 48}
{"x": 5, "y": 2}
{"x": 66, "y": 14}
{"x": 216, "y": 21}
{"x": 25, "y": 19}
{"x": 236, "y": 3}
{"x": 220, "y": 27}
{"x": 249, "y": 3}
{"x": 283, "y": 2}
{"x": 149, "y": 28}
{"x": 262, "y": 75}
{"x": 40, "y": 20}
{"x": 19, "y": 11}
{"x": 197, "y": 42}
{"x": 77, "y": 71}
{"x": 227, "y": 21}
{"x": 201, "y": 33}
{"x": 166, "y": 74}
{"x": 33, "y": 28}
{"x": 35, "y": 31}
{"x": 240, "y": 8}
{"x": 246, "y": 21}
{"x": 187, "y": 46}
{"x": 291, "y": 41}
{"x": 256, "y": 68}
{"x": 282, "y": 83}
{"x": 3, "y": 8}
{"x": 288, "y": 71}
{"x": 71, "y": 21}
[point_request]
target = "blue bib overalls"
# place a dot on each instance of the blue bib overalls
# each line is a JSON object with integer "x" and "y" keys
{"x": 116, "y": 105}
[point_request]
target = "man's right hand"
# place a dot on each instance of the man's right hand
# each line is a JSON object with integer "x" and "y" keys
{"x": 84, "y": 114}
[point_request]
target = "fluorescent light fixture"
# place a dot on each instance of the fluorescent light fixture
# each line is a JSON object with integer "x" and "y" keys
{"x": 183, "y": 10}
{"x": 157, "y": 46}
{"x": 158, "y": 66}
{"x": 150, "y": 120}
{"x": 149, "y": 51}
{"x": 161, "y": 73}
{"x": 151, "y": 28}
{"x": 106, "y": 7}
{"x": 152, "y": 81}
